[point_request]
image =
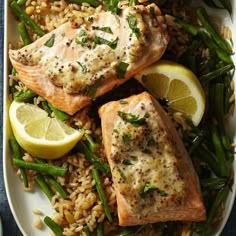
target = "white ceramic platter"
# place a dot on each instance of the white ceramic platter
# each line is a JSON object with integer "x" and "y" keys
{"x": 22, "y": 203}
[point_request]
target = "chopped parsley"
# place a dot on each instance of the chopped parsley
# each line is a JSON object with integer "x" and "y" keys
{"x": 121, "y": 70}
{"x": 126, "y": 137}
{"x": 116, "y": 131}
{"x": 152, "y": 12}
{"x": 50, "y": 41}
{"x": 111, "y": 44}
{"x": 132, "y": 21}
{"x": 104, "y": 29}
{"x": 90, "y": 19}
{"x": 92, "y": 89}
{"x": 82, "y": 38}
{"x": 83, "y": 67}
{"x": 149, "y": 188}
{"x": 112, "y": 6}
{"x": 151, "y": 142}
{"x": 122, "y": 101}
{"x": 127, "y": 162}
{"x": 121, "y": 173}
{"x": 132, "y": 119}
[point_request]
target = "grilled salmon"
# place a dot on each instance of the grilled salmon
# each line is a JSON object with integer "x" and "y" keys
{"x": 74, "y": 64}
{"x": 153, "y": 176}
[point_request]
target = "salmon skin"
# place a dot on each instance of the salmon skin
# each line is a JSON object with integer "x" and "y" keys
{"x": 153, "y": 176}
{"x": 74, "y": 64}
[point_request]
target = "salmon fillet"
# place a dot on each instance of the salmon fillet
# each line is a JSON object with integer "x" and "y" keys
{"x": 74, "y": 64}
{"x": 153, "y": 176}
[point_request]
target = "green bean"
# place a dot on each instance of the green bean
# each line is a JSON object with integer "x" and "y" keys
{"x": 213, "y": 182}
{"x": 216, "y": 73}
{"x": 101, "y": 194}
{"x": 92, "y": 158}
{"x": 220, "y": 153}
{"x": 220, "y": 196}
{"x": 187, "y": 27}
{"x": 90, "y": 143}
{"x": 21, "y": 2}
{"x": 203, "y": 17}
{"x": 16, "y": 149}
{"x": 131, "y": 231}
{"x": 24, "y": 96}
{"x": 219, "y": 103}
{"x": 43, "y": 168}
{"x": 59, "y": 114}
{"x": 53, "y": 226}
{"x": 100, "y": 229}
{"x": 204, "y": 154}
{"x": 87, "y": 230}
{"x": 195, "y": 143}
{"x": 46, "y": 107}
{"x": 93, "y": 3}
{"x": 40, "y": 180}
{"x": 23, "y": 33}
{"x": 53, "y": 182}
{"x": 221, "y": 54}
{"x": 26, "y": 19}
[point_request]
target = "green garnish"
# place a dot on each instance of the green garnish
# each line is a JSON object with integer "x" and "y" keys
{"x": 82, "y": 38}
{"x": 152, "y": 12}
{"x": 121, "y": 70}
{"x": 126, "y": 137}
{"x": 127, "y": 162}
{"x": 149, "y": 188}
{"x": 83, "y": 67}
{"x": 92, "y": 89}
{"x": 116, "y": 131}
{"x": 132, "y": 119}
{"x": 121, "y": 173}
{"x": 104, "y": 29}
{"x": 132, "y": 21}
{"x": 123, "y": 102}
{"x": 112, "y": 6}
{"x": 90, "y": 19}
{"x": 100, "y": 41}
{"x": 50, "y": 41}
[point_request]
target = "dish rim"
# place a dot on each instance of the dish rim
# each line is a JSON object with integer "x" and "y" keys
{"x": 230, "y": 199}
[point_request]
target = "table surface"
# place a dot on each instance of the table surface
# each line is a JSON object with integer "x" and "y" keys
{"x": 9, "y": 226}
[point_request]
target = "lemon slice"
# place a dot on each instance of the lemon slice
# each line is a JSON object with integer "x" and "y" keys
{"x": 39, "y": 134}
{"x": 177, "y": 85}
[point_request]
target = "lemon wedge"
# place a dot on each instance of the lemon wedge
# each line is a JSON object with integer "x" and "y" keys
{"x": 177, "y": 85}
{"x": 39, "y": 134}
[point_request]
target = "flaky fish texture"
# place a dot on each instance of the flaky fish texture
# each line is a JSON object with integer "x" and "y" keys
{"x": 74, "y": 63}
{"x": 153, "y": 176}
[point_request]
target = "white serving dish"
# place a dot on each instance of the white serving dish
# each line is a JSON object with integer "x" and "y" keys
{"x": 22, "y": 203}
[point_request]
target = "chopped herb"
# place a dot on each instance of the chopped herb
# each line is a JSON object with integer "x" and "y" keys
{"x": 90, "y": 19}
{"x": 123, "y": 101}
{"x": 82, "y": 33}
{"x": 112, "y": 6}
{"x": 121, "y": 70}
{"x": 126, "y": 137}
{"x": 116, "y": 131}
{"x": 132, "y": 2}
{"x": 63, "y": 35}
{"x": 83, "y": 67}
{"x": 147, "y": 151}
{"x": 82, "y": 38}
{"x": 148, "y": 188}
{"x": 92, "y": 89}
{"x": 132, "y": 21}
{"x": 104, "y": 29}
{"x": 121, "y": 173}
{"x": 127, "y": 162}
{"x": 111, "y": 44}
{"x": 152, "y": 12}
{"x": 132, "y": 119}
{"x": 50, "y": 41}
